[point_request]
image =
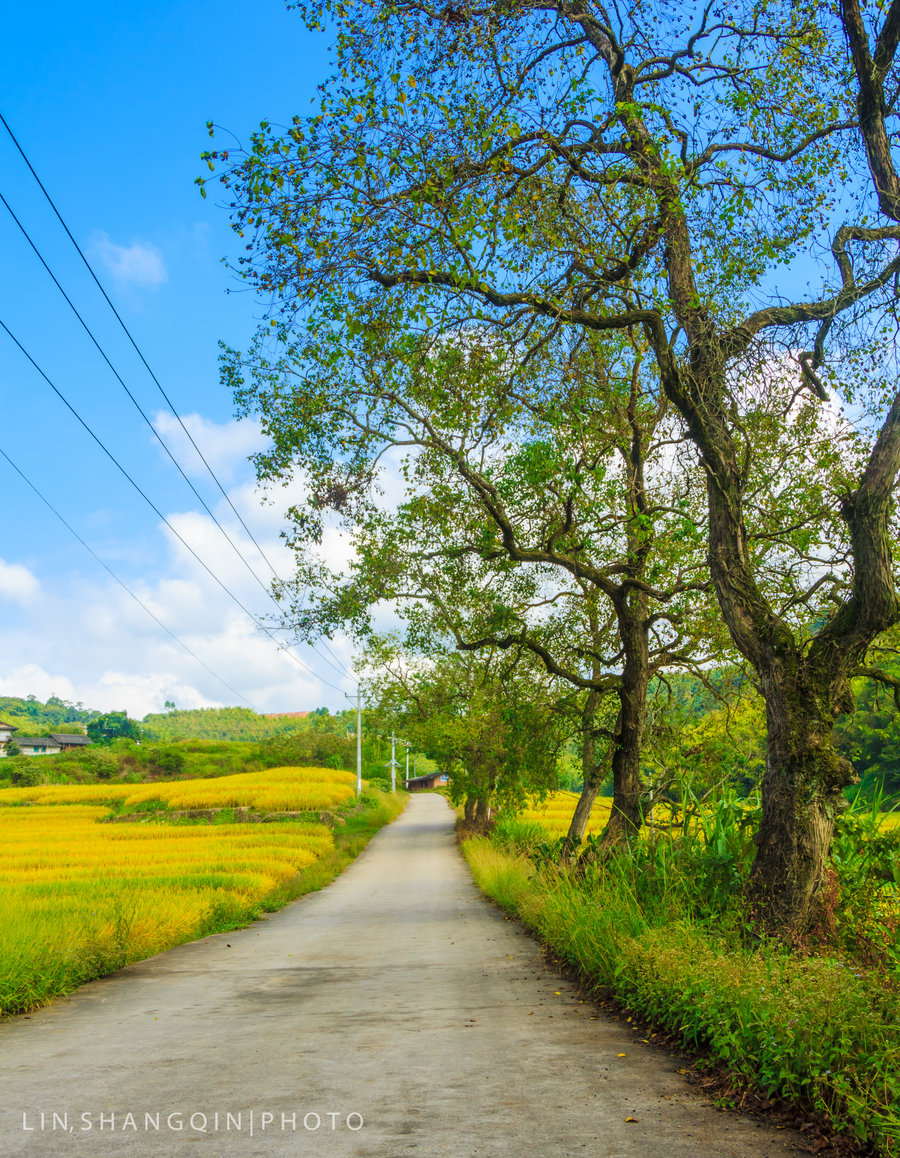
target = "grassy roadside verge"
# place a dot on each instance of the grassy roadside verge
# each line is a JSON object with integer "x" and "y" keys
{"x": 816, "y": 1030}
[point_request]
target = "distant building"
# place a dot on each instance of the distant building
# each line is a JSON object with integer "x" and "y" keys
{"x": 37, "y": 746}
{"x": 66, "y": 741}
{"x": 424, "y": 783}
{"x": 40, "y": 745}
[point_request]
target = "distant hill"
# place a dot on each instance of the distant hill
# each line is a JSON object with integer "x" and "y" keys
{"x": 218, "y": 724}
{"x": 34, "y": 718}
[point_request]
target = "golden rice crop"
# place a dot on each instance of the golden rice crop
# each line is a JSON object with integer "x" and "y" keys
{"x": 555, "y": 813}
{"x": 273, "y": 789}
{"x": 80, "y": 897}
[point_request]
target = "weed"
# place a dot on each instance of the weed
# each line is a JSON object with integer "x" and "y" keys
{"x": 662, "y": 927}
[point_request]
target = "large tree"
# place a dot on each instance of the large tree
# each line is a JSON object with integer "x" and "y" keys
{"x": 545, "y": 166}
{"x": 492, "y": 719}
{"x": 113, "y": 726}
{"x": 554, "y": 510}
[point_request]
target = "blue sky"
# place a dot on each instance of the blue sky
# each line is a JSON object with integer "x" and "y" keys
{"x": 110, "y": 102}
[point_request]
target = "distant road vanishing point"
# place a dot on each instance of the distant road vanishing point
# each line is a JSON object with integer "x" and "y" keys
{"x": 394, "y": 1013}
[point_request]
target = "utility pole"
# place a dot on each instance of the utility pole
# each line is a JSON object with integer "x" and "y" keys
{"x": 358, "y": 738}
{"x": 406, "y": 785}
{"x": 393, "y": 764}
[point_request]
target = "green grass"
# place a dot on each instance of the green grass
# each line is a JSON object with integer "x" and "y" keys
{"x": 662, "y": 930}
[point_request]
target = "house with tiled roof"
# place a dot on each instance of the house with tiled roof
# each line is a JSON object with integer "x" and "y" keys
{"x": 37, "y": 746}
{"x": 40, "y": 745}
{"x": 67, "y": 741}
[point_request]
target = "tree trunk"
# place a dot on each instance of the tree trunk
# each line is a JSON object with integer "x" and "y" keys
{"x": 801, "y": 796}
{"x": 626, "y": 816}
{"x": 631, "y": 603}
{"x": 805, "y": 684}
{"x": 582, "y": 814}
{"x": 482, "y": 812}
{"x": 593, "y": 771}
{"x": 469, "y": 809}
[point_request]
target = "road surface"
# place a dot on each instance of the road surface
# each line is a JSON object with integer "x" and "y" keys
{"x": 394, "y": 1013}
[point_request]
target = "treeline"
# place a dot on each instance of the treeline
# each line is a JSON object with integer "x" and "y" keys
{"x": 32, "y": 717}
{"x": 322, "y": 740}
{"x": 193, "y": 742}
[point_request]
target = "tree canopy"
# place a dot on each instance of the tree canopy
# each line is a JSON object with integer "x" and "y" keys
{"x": 718, "y": 180}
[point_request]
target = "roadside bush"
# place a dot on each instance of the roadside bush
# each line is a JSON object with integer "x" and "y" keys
{"x": 663, "y": 927}
{"x": 860, "y": 913}
{"x": 525, "y": 836}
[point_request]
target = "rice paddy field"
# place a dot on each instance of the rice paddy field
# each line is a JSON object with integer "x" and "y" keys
{"x": 81, "y": 897}
{"x": 274, "y": 789}
{"x": 555, "y": 813}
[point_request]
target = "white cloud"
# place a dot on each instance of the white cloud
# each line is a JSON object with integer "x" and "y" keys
{"x": 78, "y": 634}
{"x": 30, "y": 679}
{"x": 17, "y": 583}
{"x": 138, "y": 264}
{"x": 114, "y": 654}
{"x": 226, "y": 446}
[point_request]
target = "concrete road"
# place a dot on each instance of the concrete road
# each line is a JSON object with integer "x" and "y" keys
{"x": 395, "y": 1013}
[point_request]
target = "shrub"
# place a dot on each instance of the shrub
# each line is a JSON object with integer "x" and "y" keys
{"x": 98, "y": 763}
{"x": 320, "y": 749}
{"x": 165, "y": 758}
{"x": 23, "y": 772}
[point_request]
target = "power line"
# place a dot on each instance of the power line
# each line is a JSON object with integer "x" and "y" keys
{"x": 341, "y": 670}
{"x": 122, "y": 583}
{"x": 130, "y": 337}
{"x": 149, "y": 370}
{"x": 109, "y": 454}
{"x": 125, "y": 388}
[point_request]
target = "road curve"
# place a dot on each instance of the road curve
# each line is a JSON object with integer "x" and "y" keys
{"x": 394, "y": 1013}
